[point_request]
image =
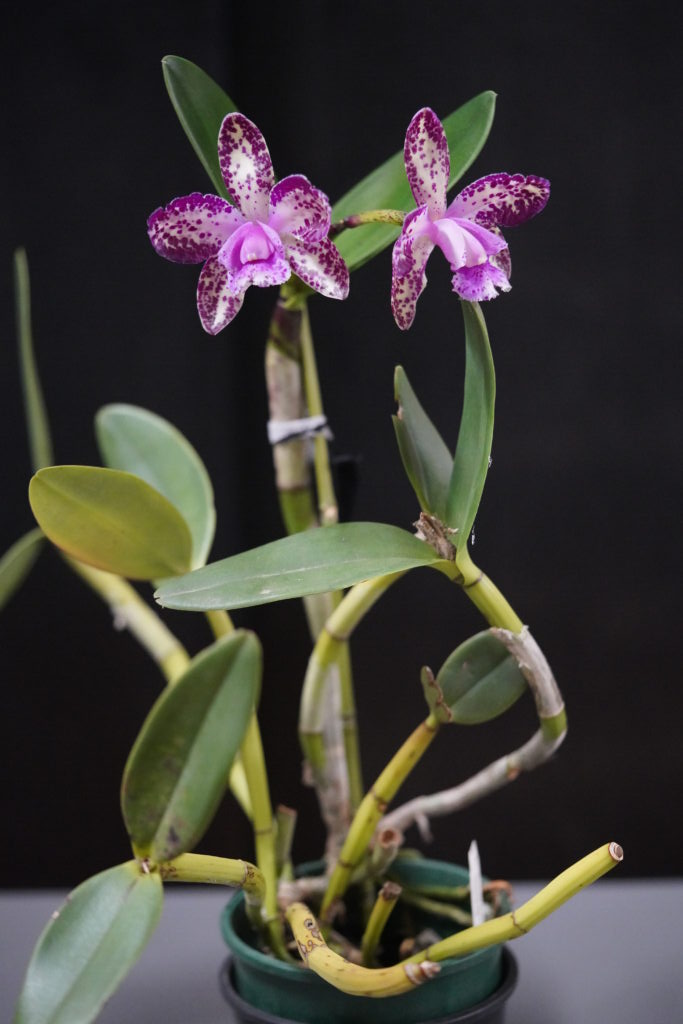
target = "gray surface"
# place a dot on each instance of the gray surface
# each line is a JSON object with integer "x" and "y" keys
{"x": 613, "y": 954}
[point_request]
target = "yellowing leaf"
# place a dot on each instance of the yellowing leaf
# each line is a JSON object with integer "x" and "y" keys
{"x": 112, "y": 520}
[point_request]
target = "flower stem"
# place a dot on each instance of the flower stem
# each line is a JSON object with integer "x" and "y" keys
{"x": 404, "y": 976}
{"x": 37, "y": 425}
{"x": 286, "y": 402}
{"x": 484, "y": 594}
{"x": 327, "y": 501}
{"x": 510, "y": 630}
{"x": 371, "y": 809}
{"x": 519, "y": 922}
{"x": 264, "y": 831}
{"x": 254, "y": 768}
{"x": 436, "y": 907}
{"x": 349, "y": 722}
{"x": 220, "y": 622}
{"x": 333, "y": 968}
{"x": 379, "y": 915}
{"x": 385, "y": 847}
{"x": 331, "y": 642}
{"x": 330, "y": 654}
{"x": 195, "y": 867}
{"x": 285, "y": 818}
{"x": 132, "y": 613}
{"x": 357, "y": 220}
{"x": 222, "y": 625}
{"x": 294, "y": 392}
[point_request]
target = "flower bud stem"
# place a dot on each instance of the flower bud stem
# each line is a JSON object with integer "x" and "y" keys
{"x": 357, "y": 220}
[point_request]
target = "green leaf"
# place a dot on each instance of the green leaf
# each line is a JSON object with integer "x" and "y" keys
{"x": 478, "y": 681}
{"x": 201, "y": 106}
{"x": 387, "y": 186}
{"x": 111, "y": 520}
{"x": 17, "y": 562}
{"x": 140, "y": 442}
{"x": 89, "y": 947}
{"x": 38, "y": 428}
{"x": 311, "y": 562}
{"x": 426, "y": 459}
{"x": 179, "y": 766}
{"x": 473, "y": 450}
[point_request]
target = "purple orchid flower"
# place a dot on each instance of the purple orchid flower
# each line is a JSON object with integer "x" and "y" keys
{"x": 270, "y": 232}
{"x": 467, "y": 231}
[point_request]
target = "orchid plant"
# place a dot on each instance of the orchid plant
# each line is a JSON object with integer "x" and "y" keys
{"x": 148, "y": 515}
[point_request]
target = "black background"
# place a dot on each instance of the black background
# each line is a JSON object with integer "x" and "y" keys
{"x": 579, "y": 521}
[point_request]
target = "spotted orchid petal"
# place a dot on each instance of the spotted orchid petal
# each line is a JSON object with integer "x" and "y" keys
{"x": 427, "y": 161}
{"x": 299, "y": 209}
{"x": 245, "y": 165}
{"x": 217, "y": 305}
{"x": 409, "y": 258}
{"x": 320, "y": 266}
{"x": 192, "y": 228}
{"x": 502, "y": 200}
{"x": 406, "y": 290}
{"x": 480, "y": 283}
{"x": 417, "y": 224}
{"x": 254, "y": 254}
{"x": 502, "y": 260}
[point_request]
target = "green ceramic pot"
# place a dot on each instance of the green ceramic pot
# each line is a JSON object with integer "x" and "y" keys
{"x": 262, "y": 989}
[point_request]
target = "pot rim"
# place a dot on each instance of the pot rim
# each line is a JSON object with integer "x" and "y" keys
{"x": 471, "y": 1014}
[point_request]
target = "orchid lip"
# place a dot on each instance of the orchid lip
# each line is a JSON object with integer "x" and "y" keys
{"x": 254, "y": 255}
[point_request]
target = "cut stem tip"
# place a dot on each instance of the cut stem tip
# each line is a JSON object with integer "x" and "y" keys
{"x": 616, "y": 852}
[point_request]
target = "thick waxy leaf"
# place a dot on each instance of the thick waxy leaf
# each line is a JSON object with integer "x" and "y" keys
{"x": 426, "y": 458}
{"x": 478, "y": 681}
{"x": 312, "y": 562}
{"x": 17, "y": 562}
{"x": 473, "y": 450}
{"x": 112, "y": 520}
{"x": 140, "y": 442}
{"x": 88, "y": 948}
{"x": 179, "y": 766}
{"x": 40, "y": 442}
{"x": 201, "y": 106}
{"x": 387, "y": 187}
